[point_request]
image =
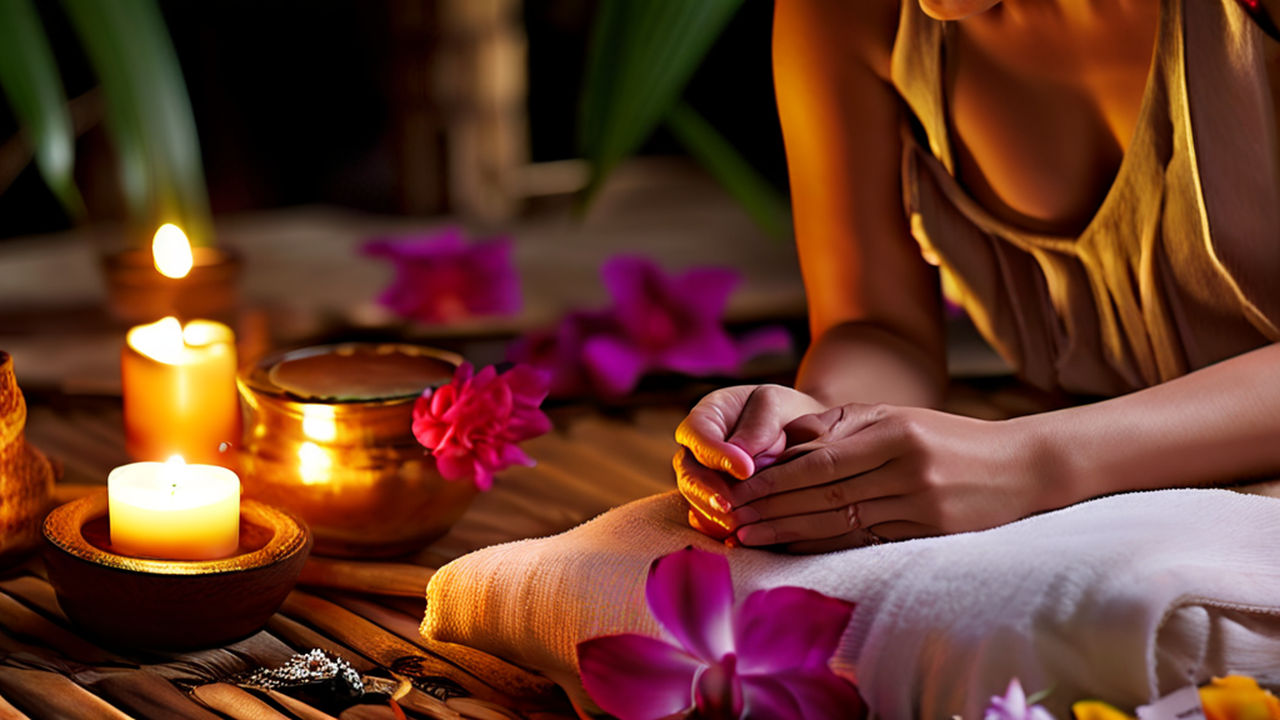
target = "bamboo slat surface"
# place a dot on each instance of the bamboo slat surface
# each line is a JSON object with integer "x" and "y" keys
{"x": 364, "y": 612}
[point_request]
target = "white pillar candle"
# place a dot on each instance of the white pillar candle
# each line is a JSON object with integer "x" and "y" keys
{"x": 174, "y": 511}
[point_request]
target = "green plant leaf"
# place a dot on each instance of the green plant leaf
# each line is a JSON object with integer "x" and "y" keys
{"x": 148, "y": 113}
{"x": 29, "y": 76}
{"x": 642, "y": 54}
{"x": 760, "y": 199}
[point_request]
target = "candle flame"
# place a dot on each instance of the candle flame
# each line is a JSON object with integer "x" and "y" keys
{"x": 171, "y": 474}
{"x": 162, "y": 340}
{"x": 171, "y": 251}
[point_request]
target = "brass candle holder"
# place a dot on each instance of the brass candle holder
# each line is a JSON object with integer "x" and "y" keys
{"x": 138, "y": 293}
{"x": 328, "y": 435}
{"x": 171, "y": 604}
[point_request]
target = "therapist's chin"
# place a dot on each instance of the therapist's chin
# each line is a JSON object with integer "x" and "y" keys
{"x": 955, "y": 9}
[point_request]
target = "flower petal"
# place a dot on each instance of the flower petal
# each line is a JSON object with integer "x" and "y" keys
{"x": 705, "y": 291}
{"x": 768, "y": 340}
{"x": 710, "y": 350}
{"x": 788, "y": 627}
{"x": 613, "y": 365}
{"x": 810, "y": 695}
{"x": 691, "y": 594}
{"x": 635, "y": 677}
{"x": 717, "y": 693}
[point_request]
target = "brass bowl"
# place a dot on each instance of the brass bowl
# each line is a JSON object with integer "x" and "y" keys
{"x": 335, "y": 446}
{"x": 171, "y": 604}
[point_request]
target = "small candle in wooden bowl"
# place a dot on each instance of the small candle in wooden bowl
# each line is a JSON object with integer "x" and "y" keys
{"x": 174, "y": 511}
{"x": 138, "y": 602}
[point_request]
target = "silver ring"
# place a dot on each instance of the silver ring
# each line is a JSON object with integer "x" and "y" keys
{"x": 873, "y": 538}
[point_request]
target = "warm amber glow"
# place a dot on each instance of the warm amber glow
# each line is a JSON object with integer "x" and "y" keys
{"x": 172, "y": 251}
{"x": 318, "y": 423}
{"x": 313, "y": 464}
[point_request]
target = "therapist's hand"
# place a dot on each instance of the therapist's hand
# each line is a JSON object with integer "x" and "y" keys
{"x": 728, "y": 436}
{"x": 864, "y": 473}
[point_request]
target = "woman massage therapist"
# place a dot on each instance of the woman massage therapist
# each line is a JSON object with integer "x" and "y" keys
{"x": 1095, "y": 182}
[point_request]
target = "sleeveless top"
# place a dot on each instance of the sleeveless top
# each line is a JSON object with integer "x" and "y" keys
{"x": 1180, "y": 265}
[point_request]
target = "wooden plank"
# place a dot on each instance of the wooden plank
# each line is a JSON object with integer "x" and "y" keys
{"x": 499, "y": 673}
{"x": 9, "y": 712}
{"x": 382, "y": 646}
{"x": 49, "y": 695}
{"x": 297, "y": 707}
{"x": 22, "y": 620}
{"x": 378, "y": 578}
{"x": 235, "y": 703}
{"x": 148, "y": 695}
{"x": 303, "y": 638}
{"x": 36, "y": 592}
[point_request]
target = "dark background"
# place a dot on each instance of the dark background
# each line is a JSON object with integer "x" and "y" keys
{"x": 292, "y": 102}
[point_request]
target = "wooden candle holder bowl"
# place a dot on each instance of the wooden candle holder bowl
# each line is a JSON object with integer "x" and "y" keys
{"x": 171, "y": 604}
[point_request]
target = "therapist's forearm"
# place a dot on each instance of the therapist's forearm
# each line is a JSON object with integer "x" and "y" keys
{"x": 1216, "y": 425}
{"x": 866, "y": 363}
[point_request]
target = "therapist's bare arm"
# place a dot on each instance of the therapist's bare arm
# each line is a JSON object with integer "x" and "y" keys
{"x": 873, "y": 302}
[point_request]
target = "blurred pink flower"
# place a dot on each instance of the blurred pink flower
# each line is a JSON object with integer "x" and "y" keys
{"x": 558, "y": 352}
{"x": 1014, "y": 706}
{"x": 658, "y": 322}
{"x": 767, "y": 659}
{"x": 439, "y": 278}
{"x": 662, "y": 322}
{"x": 472, "y": 425}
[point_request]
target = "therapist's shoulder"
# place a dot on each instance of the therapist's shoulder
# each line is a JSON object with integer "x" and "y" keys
{"x": 854, "y": 30}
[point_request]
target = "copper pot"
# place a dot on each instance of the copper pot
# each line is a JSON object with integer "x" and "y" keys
{"x": 25, "y": 476}
{"x": 328, "y": 436}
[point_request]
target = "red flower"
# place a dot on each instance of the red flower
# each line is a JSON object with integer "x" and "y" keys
{"x": 472, "y": 425}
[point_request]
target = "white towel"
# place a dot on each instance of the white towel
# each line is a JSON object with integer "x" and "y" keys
{"x": 1123, "y": 599}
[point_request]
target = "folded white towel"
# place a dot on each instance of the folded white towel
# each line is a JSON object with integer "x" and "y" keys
{"x": 1122, "y": 599}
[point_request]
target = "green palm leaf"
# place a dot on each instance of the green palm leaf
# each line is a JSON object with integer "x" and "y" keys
{"x": 148, "y": 112}
{"x": 29, "y": 77}
{"x": 642, "y": 54}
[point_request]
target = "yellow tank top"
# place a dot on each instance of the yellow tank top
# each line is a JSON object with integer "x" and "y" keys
{"x": 1180, "y": 265}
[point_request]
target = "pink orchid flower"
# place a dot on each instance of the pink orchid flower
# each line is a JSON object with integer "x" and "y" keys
{"x": 473, "y": 424}
{"x": 658, "y": 322}
{"x": 439, "y": 278}
{"x": 1013, "y": 706}
{"x": 663, "y": 322}
{"x": 765, "y": 659}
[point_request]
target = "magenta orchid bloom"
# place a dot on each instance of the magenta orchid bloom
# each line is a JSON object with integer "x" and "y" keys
{"x": 558, "y": 352}
{"x": 1013, "y": 706}
{"x": 439, "y": 278}
{"x": 766, "y": 659}
{"x": 663, "y": 322}
{"x": 473, "y": 424}
{"x": 657, "y": 322}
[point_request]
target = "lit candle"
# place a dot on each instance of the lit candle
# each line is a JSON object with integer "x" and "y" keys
{"x": 179, "y": 380}
{"x": 179, "y": 391}
{"x": 173, "y": 511}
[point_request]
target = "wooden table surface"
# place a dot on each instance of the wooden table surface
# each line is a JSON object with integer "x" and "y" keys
{"x": 367, "y": 613}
